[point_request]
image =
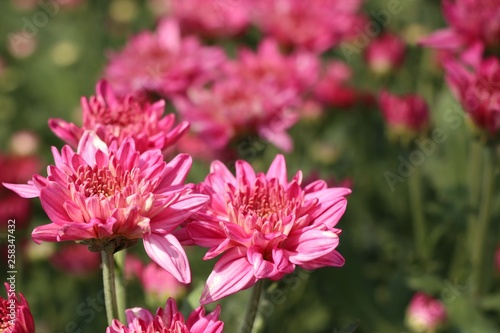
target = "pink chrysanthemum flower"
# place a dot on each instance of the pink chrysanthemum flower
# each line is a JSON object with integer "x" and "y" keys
{"x": 312, "y": 25}
{"x": 212, "y": 18}
{"x": 118, "y": 118}
{"x": 109, "y": 197}
{"x": 298, "y": 70}
{"x": 20, "y": 320}
{"x": 162, "y": 62}
{"x": 425, "y": 313}
{"x": 404, "y": 113}
{"x": 168, "y": 320}
{"x": 471, "y": 22}
{"x": 264, "y": 226}
{"x": 478, "y": 91}
{"x": 234, "y": 108}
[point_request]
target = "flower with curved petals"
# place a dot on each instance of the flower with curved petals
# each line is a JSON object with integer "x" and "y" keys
{"x": 18, "y": 321}
{"x": 111, "y": 196}
{"x": 478, "y": 91}
{"x": 117, "y": 118}
{"x": 162, "y": 62}
{"x": 264, "y": 226}
{"x": 471, "y": 22}
{"x": 168, "y": 320}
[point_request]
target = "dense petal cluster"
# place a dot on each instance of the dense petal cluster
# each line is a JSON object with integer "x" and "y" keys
{"x": 15, "y": 314}
{"x": 425, "y": 313}
{"x": 264, "y": 226}
{"x": 163, "y": 62}
{"x": 312, "y": 25}
{"x": 471, "y": 22}
{"x": 405, "y": 113}
{"x": 234, "y": 108}
{"x": 118, "y": 118}
{"x": 111, "y": 196}
{"x": 478, "y": 92}
{"x": 212, "y": 18}
{"x": 168, "y": 320}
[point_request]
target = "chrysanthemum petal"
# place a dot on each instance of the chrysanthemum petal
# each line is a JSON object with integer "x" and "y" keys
{"x": 233, "y": 264}
{"x": 167, "y": 252}
{"x": 309, "y": 245}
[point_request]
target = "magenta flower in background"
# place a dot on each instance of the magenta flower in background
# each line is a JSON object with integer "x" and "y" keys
{"x": 471, "y": 22}
{"x": 158, "y": 284}
{"x": 385, "y": 53}
{"x": 298, "y": 70}
{"x": 162, "y": 62}
{"x": 333, "y": 87}
{"x": 118, "y": 118}
{"x": 312, "y": 25}
{"x": 112, "y": 196}
{"x": 424, "y": 313}
{"x": 478, "y": 91}
{"x": 64, "y": 260}
{"x": 404, "y": 113}
{"x": 213, "y": 18}
{"x": 19, "y": 321}
{"x": 234, "y": 108}
{"x": 168, "y": 319}
{"x": 264, "y": 226}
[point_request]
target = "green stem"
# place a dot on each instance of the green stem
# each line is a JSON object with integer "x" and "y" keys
{"x": 475, "y": 174}
{"x": 108, "y": 277}
{"x": 479, "y": 247}
{"x": 419, "y": 228}
{"x": 120, "y": 283}
{"x": 252, "y": 308}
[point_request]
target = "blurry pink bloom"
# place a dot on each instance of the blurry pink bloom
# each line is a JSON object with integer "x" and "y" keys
{"x": 168, "y": 319}
{"x": 162, "y": 62}
{"x": 235, "y": 108}
{"x": 333, "y": 88}
{"x": 159, "y": 284}
{"x": 478, "y": 92}
{"x": 212, "y": 18}
{"x": 264, "y": 226}
{"x": 116, "y": 118}
{"x": 76, "y": 259}
{"x": 471, "y": 21}
{"x": 22, "y": 44}
{"x": 312, "y": 25}
{"x": 112, "y": 196}
{"x": 298, "y": 70}
{"x": 24, "y": 143}
{"x": 16, "y": 169}
{"x": 19, "y": 321}
{"x": 385, "y": 53}
{"x": 133, "y": 267}
{"x": 424, "y": 313}
{"x": 408, "y": 113}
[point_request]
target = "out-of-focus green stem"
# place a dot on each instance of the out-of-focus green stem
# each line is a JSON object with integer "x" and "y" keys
{"x": 478, "y": 246}
{"x": 475, "y": 177}
{"x": 108, "y": 277}
{"x": 120, "y": 283}
{"x": 419, "y": 228}
{"x": 252, "y": 308}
